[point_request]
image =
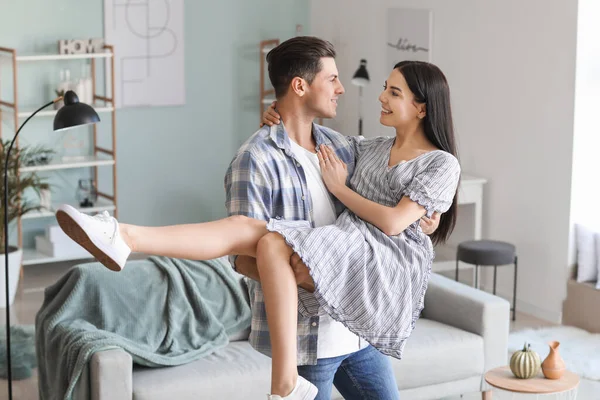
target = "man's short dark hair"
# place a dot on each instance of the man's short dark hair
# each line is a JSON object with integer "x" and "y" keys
{"x": 297, "y": 57}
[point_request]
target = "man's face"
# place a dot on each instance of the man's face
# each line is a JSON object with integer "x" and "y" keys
{"x": 322, "y": 95}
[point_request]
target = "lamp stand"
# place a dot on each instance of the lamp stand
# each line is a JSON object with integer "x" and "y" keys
{"x": 360, "y": 122}
{"x": 6, "y": 274}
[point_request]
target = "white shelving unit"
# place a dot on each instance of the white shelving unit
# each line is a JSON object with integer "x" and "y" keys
{"x": 101, "y": 205}
{"x": 27, "y": 111}
{"x": 72, "y": 162}
{"x": 101, "y": 157}
{"x": 59, "y": 57}
{"x": 32, "y": 257}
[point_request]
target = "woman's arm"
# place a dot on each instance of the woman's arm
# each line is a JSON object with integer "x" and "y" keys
{"x": 390, "y": 220}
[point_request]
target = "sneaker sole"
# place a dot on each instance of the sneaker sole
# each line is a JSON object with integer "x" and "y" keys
{"x": 75, "y": 232}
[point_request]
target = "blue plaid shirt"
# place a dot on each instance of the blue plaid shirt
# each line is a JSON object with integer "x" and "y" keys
{"x": 265, "y": 181}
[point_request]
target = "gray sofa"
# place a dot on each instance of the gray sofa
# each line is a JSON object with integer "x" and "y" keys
{"x": 462, "y": 333}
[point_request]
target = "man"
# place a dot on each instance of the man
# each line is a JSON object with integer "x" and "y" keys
{"x": 276, "y": 174}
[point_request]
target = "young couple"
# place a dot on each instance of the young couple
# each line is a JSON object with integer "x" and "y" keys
{"x": 341, "y": 217}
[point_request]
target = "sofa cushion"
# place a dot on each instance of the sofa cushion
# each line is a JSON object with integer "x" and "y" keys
{"x": 437, "y": 353}
{"x": 234, "y": 372}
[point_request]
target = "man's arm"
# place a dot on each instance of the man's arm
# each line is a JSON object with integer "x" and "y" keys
{"x": 248, "y": 192}
{"x": 246, "y": 266}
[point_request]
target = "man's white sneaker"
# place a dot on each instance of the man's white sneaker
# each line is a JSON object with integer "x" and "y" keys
{"x": 304, "y": 390}
{"x": 98, "y": 234}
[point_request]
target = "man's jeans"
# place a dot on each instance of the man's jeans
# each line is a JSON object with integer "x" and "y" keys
{"x": 364, "y": 375}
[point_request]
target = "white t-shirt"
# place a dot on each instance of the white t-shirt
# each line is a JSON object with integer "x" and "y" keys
{"x": 334, "y": 338}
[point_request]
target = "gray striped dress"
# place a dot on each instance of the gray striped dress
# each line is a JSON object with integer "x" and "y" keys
{"x": 373, "y": 283}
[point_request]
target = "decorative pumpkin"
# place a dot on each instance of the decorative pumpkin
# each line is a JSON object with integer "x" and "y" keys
{"x": 525, "y": 363}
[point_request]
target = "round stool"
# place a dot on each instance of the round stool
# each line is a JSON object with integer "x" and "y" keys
{"x": 489, "y": 253}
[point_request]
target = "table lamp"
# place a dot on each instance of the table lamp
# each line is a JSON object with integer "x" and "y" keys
{"x": 360, "y": 79}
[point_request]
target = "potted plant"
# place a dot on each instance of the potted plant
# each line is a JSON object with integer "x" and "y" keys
{"x": 18, "y": 205}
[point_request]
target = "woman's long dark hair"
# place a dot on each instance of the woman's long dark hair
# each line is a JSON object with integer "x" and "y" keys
{"x": 430, "y": 87}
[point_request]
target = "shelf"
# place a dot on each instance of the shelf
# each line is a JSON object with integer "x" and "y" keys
{"x": 267, "y": 49}
{"x": 79, "y": 162}
{"x": 101, "y": 205}
{"x": 51, "y": 57}
{"x": 12, "y": 60}
{"x": 32, "y": 256}
{"x": 51, "y": 113}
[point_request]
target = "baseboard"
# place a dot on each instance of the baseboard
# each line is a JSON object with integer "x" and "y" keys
{"x": 533, "y": 310}
{"x": 441, "y": 266}
{"x": 522, "y": 306}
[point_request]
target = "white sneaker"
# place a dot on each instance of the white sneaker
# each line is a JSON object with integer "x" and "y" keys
{"x": 98, "y": 234}
{"x": 304, "y": 390}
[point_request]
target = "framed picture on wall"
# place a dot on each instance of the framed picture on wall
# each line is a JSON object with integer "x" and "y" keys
{"x": 408, "y": 35}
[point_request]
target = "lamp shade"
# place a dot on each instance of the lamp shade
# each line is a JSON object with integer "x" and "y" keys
{"x": 74, "y": 113}
{"x": 361, "y": 76}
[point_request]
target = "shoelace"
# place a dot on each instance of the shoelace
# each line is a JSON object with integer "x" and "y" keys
{"x": 107, "y": 218}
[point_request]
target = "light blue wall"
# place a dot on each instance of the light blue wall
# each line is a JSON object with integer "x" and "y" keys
{"x": 171, "y": 160}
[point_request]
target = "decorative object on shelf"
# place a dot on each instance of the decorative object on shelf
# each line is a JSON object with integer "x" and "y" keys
{"x": 72, "y": 114}
{"x": 553, "y": 366}
{"x": 360, "y": 79}
{"x": 525, "y": 363}
{"x": 80, "y": 46}
{"x": 64, "y": 85}
{"x": 46, "y": 199}
{"x": 59, "y": 93}
{"x": 36, "y": 156}
{"x": 87, "y": 194}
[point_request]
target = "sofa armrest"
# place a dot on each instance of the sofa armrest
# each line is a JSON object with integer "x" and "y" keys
{"x": 472, "y": 310}
{"x": 111, "y": 375}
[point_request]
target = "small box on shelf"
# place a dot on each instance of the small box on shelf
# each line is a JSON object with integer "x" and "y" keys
{"x": 61, "y": 249}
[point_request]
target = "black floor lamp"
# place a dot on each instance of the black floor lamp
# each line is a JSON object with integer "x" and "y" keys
{"x": 360, "y": 79}
{"x": 72, "y": 114}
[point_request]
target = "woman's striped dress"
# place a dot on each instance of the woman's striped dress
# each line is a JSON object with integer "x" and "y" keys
{"x": 373, "y": 283}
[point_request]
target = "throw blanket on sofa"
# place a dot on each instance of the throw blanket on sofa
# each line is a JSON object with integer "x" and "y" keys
{"x": 162, "y": 311}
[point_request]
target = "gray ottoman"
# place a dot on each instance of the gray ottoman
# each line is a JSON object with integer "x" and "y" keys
{"x": 489, "y": 253}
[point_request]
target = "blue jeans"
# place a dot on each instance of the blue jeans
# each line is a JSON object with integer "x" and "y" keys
{"x": 364, "y": 375}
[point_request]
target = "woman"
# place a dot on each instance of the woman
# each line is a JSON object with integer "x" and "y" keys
{"x": 370, "y": 270}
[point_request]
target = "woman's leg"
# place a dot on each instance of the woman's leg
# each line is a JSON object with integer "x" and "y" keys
{"x": 281, "y": 302}
{"x": 235, "y": 235}
{"x": 111, "y": 243}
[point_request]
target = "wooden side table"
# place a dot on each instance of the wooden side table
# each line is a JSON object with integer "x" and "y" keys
{"x": 502, "y": 378}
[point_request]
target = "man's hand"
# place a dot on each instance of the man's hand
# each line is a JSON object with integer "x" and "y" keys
{"x": 246, "y": 266}
{"x": 270, "y": 116}
{"x": 303, "y": 278}
{"x": 429, "y": 225}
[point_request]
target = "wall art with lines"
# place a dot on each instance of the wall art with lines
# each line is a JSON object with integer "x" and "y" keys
{"x": 149, "y": 52}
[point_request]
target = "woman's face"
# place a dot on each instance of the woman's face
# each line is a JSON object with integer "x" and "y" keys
{"x": 398, "y": 107}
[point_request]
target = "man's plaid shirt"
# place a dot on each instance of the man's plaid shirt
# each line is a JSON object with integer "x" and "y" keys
{"x": 265, "y": 181}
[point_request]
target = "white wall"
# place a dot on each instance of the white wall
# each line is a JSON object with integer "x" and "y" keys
{"x": 586, "y": 161}
{"x": 511, "y": 68}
